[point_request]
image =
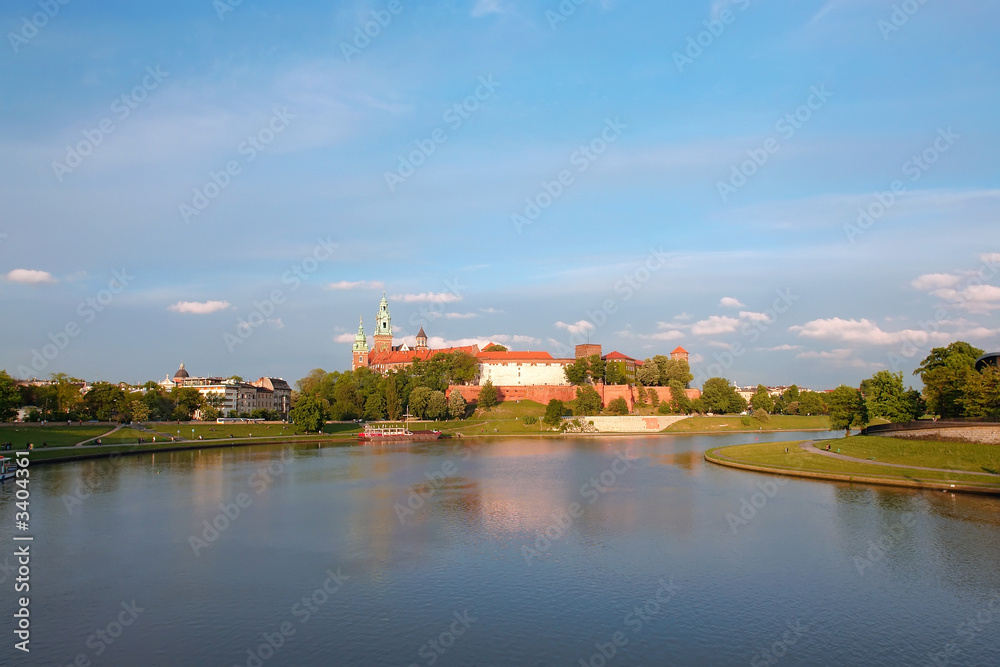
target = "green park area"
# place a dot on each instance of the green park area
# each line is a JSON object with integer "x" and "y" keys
{"x": 955, "y": 459}
{"x": 733, "y": 423}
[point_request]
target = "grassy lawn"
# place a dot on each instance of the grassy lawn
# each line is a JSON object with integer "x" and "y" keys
{"x": 507, "y": 418}
{"x": 51, "y": 434}
{"x": 926, "y": 453}
{"x": 735, "y": 423}
{"x": 212, "y": 430}
{"x": 772, "y": 455}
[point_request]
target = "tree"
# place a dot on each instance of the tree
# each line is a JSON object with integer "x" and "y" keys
{"x": 495, "y": 347}
{"x": 641, "y": 396}
{"x": 67, "y": 393}
{"x": 186, "y": 401}
{"x": 139, "y": 410}
{"x": 419, "y": 399}
{"x": 614, "y": 373}
{"x": 393, "y": 402}
{"x": 576, "y": 372}
{"x": 10, "y": 397}
{"x": 456, "y": 405}
{"x": 761, "y": 416}
{"x": 307, "y": 414}
{"x": 488, "y": 396}
{"x": 945, "y": 374}
{"x": 981, "y": 395}
{"x": 462, "y": 368}
{"x": 761, "y": 400}
{"x": 618, "y": 406}
{"x": 675, "y": 369}
{"x": 654, "y": 397}
{"x": 437, "y": 405}
{"x": 588, "y": 401}
{"x": 596, "y": 368}
{"x": 720, "y": 397}
{"x": 375, "y": 406}
{"x": 847, "y": 409}
{"x": 648, "y": 374}
{"x": 811, "y": 403}
{"x": 885, "y": 397}
{"x": 679, "y": 401}
{"x": 554, "y": 412}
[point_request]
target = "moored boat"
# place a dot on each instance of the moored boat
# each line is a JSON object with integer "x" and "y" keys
{"x": 388, "y": 432}
{"x": 8, "y": 468}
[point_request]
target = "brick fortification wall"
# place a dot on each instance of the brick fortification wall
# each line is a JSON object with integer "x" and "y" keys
{"x": 565, "y": 393}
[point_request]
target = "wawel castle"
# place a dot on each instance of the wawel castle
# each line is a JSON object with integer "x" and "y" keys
{"x": 503, "y": 369}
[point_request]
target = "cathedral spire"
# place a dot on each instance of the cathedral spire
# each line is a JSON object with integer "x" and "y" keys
{"x": 361, "y": 341}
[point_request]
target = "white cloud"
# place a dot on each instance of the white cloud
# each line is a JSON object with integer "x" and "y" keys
{"x": 276, "y": 323}
{"x": 199, "y": 307}
{"x": 714, "y": 325}
{"x": 460, "y": 316}
{"x": 427, "y": 297}
{"x": 990, "y": 257}
{"x": 781, "y": 348}
{"x": 580, "y": 327}
{"x": 490, "y": 311}
{"x": 358, "y": 284}
{"x": 932, "y": 281}
{"x": 344, "y": 338}
{"x": 30, "y": 277}
{"x": 863, "y": 332}
{"x": 683, "y": 317}
{"x": 839, "y": 357}
{"x": 662, "y": 335}
{"x": 973, "y": 298}
{"x": 730, "y": 302}
{"x": 755, "y": 317}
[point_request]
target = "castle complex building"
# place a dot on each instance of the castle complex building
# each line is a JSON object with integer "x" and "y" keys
{"x": 383, "y": 356}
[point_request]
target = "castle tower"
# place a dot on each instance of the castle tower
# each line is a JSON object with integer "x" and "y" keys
{"x": 383, "y": 328}
{"x": 360, "y": 349}
{"x": 421, "y": 340}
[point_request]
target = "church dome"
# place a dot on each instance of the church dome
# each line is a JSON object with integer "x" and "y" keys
{"x": 181, "y": 373}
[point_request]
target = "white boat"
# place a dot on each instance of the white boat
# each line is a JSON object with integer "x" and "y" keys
{"x": 8, "y": 468}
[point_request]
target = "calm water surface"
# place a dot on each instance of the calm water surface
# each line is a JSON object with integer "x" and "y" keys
{"x": 618, "y": 551}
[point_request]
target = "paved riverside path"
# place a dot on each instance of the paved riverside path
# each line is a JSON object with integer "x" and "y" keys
{"x": 810, "y": 445}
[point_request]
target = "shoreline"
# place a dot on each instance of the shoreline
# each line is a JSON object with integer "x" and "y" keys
{"x": 712, "y": 456}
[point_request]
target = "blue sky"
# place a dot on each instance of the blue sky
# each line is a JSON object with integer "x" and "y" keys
{"x": 643, "y": 174}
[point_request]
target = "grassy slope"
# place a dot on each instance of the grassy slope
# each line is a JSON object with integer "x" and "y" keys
{"x": 773, "y": 455}
{"x": 51, "y": 434}
{"x": 930, "y": 454}
{"x": 735, "y": 423}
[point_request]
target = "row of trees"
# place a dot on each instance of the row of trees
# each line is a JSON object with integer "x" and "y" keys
{"x": 658, "y": 371}
{"x": 63, "y": 400}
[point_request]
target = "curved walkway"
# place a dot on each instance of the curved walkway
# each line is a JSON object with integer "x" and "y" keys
{"x": 844, "y": 457}
{"x": 83, "y": 442}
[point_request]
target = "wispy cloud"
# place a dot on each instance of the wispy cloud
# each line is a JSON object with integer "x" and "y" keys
{"x": 461, "y": 316}
{"x": 715, "y": 325}
{"x": 199, "y": 307}
{"x": 427, "y": 297}
{"x": 31, "y": 277}
{"x": 356, "y": 284}
{"x": 580, "y": 327}
{"x": 730, "y": 302}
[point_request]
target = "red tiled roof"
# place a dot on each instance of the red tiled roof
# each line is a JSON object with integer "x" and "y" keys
{"x": 679, "y": 350}
{"x": 381, "y": 358}
{"x": 616, "y": 355}
{"x": 513, "y": 355}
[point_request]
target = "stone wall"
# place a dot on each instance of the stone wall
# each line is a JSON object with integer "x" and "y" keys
{"x": 629, "y": 424}
{"x": 565, "y": 393}
{"x": 989, "y": 435}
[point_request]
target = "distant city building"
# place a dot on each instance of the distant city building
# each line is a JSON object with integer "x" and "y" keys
{"x": 236, "y": 397}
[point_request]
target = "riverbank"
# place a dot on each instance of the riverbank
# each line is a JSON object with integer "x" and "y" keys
{"x": 967, "y": 467}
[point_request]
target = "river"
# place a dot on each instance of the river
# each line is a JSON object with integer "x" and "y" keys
{"x": 506, "y": 551}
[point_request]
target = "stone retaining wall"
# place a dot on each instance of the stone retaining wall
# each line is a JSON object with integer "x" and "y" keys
{"x": 989, "y": 435}
{"x": 628, "y": 424}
